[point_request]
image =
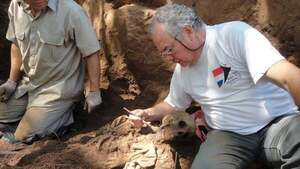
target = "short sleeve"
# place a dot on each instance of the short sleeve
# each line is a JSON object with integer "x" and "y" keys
{"x": 84, "y": 34}
{"x": 177, "y": 97}
{"x": 10, "y": 34}
{"x": 259, "y": 53}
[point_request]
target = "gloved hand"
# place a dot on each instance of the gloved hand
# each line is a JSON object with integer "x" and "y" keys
{"x": 93, "y": 99}
{"x": 7, "y": 89}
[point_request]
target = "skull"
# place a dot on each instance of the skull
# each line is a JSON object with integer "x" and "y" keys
{"x": 177, "y": 125}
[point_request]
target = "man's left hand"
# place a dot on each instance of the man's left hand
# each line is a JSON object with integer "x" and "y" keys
{"x": 93, "y": 99}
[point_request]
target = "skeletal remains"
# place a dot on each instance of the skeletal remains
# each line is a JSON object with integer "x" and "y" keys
{"x": 177, "y": 125}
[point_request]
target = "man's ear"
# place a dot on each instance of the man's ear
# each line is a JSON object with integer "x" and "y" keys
{"x": 188, "y": 32}
{"x": 188, "y": 29}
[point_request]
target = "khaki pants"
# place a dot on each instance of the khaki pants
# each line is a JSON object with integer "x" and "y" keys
{"x": 35, "y": 121}
{"x": 13, "y": 109}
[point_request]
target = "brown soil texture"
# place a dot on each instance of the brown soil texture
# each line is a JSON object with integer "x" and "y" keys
{"x": 4, "y": 44}
{"x": 134, "y": 76}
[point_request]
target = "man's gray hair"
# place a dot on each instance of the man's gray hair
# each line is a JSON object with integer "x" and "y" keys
{"x": 175, "y": 17}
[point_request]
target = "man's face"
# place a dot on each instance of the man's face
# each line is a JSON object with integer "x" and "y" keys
{"x": 37, "y": 5}
{"x": 172, "y": 48}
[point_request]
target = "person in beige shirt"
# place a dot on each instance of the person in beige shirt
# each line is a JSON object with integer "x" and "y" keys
{"x": 51, "y": 42}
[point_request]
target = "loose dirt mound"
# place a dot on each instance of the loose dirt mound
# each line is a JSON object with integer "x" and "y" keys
{"x": 116, "y": 145}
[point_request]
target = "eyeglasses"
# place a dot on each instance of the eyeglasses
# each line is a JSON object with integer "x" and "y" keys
{"x": 168, "y": 50}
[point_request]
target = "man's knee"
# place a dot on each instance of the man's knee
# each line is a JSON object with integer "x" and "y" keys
{"x": 203, "y": 161}
{"x": 217, "y": 161}
{"x": 290, "y": 141}
{"x": 281, "y": 143}
{"x": 26, "y": 128}
{"x": 226, "y": 150}
{"x": 40, "y": 121}
{"x": 21, "y": 136}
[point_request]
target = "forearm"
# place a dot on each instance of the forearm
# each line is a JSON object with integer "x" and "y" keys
{"x": 293, "y": 86}
{"x": 16, "y": 62}
{"x": 93, "y": 68}
{"x": 160, "y": 110}
{"x": 287, "y": 76}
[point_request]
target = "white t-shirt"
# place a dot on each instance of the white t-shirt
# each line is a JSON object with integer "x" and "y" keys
{"x": 227, "y": 80}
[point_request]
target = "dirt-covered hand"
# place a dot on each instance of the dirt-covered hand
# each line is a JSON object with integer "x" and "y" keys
{"x": 7, "y": 89}
{"x": 93, "y": 99}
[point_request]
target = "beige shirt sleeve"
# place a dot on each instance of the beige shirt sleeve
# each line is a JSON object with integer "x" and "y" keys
{"x": 83, "y": 33}
{"x": 10, "y": 34}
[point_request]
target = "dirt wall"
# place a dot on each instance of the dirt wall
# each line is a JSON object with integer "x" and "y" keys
{"x": 277, "y": 19}
{"x": 129, "y": 57}
{"x": 121, "y": 26}
{"x": 4, "y": 44}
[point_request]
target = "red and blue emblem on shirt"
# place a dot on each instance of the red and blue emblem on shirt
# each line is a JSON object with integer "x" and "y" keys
{"x": 220, "y": 74}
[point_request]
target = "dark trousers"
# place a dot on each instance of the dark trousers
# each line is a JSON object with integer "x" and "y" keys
{"x": 277, "y": 145}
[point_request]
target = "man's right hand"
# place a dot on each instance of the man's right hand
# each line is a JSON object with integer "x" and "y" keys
{"x": 145, "y": 114}
{"x": 140, "y": 113}
{"x": 7, "y": 89}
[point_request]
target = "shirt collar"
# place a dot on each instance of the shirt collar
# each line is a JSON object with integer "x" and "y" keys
{"x": 20, "y": 2}
{"x": 52, "y": 4}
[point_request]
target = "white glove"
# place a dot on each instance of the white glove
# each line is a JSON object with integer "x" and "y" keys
{"x": 7, "y": 89}
{"x": 93, "y": 99}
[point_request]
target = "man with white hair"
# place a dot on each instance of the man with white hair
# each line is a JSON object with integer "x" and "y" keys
{"x": 248, "y": 91}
